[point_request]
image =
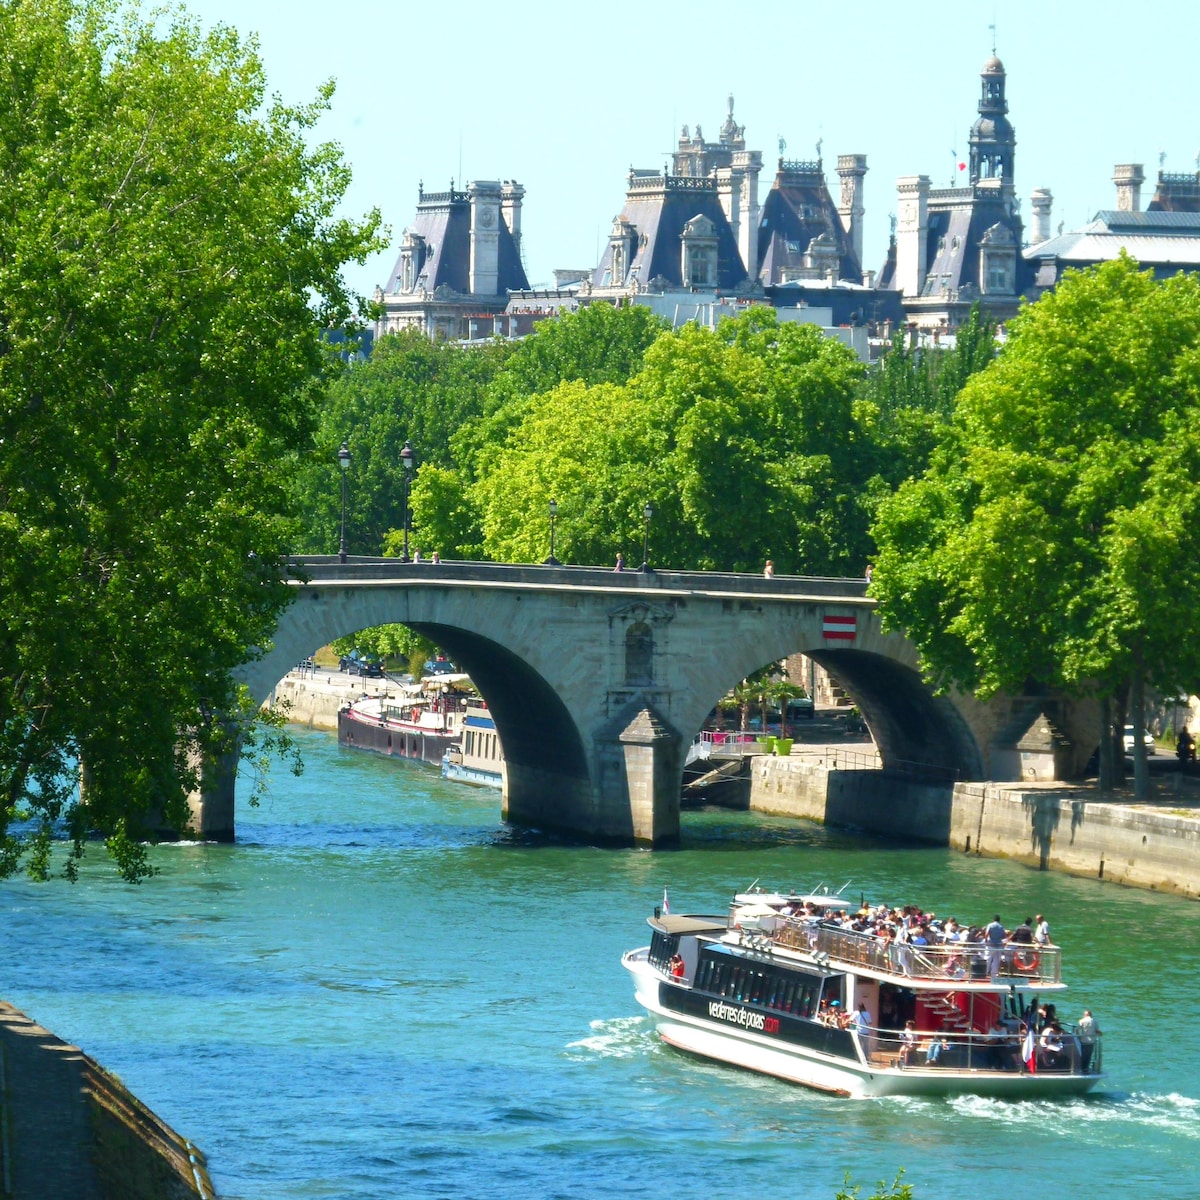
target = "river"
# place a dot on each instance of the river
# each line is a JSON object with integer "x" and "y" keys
{"x": 381, "y": 991}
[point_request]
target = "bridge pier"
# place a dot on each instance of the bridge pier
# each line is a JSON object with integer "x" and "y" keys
{"x": 212, "y": 805}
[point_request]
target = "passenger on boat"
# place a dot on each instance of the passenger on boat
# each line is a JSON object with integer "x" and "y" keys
{"x": 677, "y": 967}
{"x": 1041, "y": 934}
{"x": 999, "y": 1046}
{"x": 860, "y": 1020}
{"x": 1052, "y": 1052}
{"x": 1088, "y": 1031}
{"x": 935, "y": 1048}
{"x": 1022, "y": 935}
{"x": 908, "y": 1043}
{"x": 994, "y": 936}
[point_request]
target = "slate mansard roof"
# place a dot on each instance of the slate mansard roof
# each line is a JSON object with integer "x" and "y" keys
{"x": 658, "y": 207}
{"x": 799, "y": 208}
{"x": 443, "y": 222}
{"x": 959, "y": 218}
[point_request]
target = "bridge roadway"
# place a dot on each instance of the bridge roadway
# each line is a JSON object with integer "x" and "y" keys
{"x": 598, "y": 679}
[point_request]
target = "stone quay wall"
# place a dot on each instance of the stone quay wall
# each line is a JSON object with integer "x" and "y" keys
{"x": 312, "y": 698}
{"x": 71, "y": 1131}
{"x": 1055, "y": 827}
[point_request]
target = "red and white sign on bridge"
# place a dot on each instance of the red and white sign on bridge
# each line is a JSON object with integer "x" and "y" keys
{"x": 839, "y": 628}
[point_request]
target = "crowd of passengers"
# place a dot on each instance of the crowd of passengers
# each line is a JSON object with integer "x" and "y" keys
{"x": 1007, "y": 1045}
{"x": 909, "y": 925}
{"x": 1038, "y": 1042}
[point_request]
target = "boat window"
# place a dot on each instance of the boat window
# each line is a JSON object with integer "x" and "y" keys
{"x": 759, "y": 993}
{"x": 738, "y": 983}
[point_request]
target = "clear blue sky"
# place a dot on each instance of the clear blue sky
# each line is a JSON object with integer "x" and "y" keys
{"x": 566, "y": 96}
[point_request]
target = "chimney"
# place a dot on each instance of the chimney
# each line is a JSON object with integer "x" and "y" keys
{"x": 484, "y": 196}
{"x": 852, "y": 168}
{"x": 1041, "y": 201}
{"x": 1129, "y": 178}
{"x": 912, "y": 232}
{"x": 511, "y": 195}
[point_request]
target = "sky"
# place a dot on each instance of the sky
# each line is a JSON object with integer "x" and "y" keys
{"x": 564, "y": 97}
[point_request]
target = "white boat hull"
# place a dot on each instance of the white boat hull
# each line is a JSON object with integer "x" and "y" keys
{"x": 799, "y": 1064}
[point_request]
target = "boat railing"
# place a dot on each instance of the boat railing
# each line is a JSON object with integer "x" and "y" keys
{"x": 951, "y": 960}
{"x": 956, "y": 1050}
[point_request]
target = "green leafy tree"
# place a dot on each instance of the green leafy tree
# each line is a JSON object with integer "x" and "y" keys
{"x": 410, "y": 389}
{"x": 744, "y": 441}
{"x": 908, "y": 397}
{"x": 168, "y": 255}
{"x": 1058, "y": 525}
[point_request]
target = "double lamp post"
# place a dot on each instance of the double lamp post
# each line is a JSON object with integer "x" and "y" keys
{"x": 406, "y": 461}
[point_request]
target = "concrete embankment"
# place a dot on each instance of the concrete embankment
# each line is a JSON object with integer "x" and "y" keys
{"x": 313, "y": 697}
{"x": 1052, "y": 827}
{"x": 71, "y": 1131}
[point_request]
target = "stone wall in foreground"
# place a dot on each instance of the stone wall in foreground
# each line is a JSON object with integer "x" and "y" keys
{"x": 69, "y": 1129}
{"x": 1048, "y": 828}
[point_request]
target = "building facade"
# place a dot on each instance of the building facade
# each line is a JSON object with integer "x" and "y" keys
{"x": 958, "y": 246}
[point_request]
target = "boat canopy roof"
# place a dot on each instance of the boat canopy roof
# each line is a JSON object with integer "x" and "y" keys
{"x": 682, "y": 924}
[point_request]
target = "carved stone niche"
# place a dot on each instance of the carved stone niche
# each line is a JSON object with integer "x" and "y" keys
{"x": 637, "y": 643}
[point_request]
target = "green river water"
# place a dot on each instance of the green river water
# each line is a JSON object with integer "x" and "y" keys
{"x": 381, "y": 991}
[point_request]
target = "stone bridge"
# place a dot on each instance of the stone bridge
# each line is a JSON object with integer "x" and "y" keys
{"x": 598, "y": 680}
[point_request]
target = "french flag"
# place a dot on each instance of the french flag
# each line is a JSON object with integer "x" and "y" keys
{"x": 666, "y": 908}
{"x": 1029, "y": 1051}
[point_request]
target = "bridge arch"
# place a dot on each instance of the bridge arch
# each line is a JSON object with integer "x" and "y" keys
{"x": 598, "y": 680}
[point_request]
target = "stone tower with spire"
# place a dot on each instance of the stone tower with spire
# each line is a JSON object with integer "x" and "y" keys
{"x": 959, "y": 246}
{"x": 993, "y": 140}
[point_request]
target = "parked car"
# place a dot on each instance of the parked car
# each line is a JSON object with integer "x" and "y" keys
{"x": 800, "y": 708}
{"x": 357, "y": 663}
{"x": 1151, "y": 748}
{"x": 440, "y": 666}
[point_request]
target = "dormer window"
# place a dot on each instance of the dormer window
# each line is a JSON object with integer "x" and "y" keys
{"x": 698, "y": 253}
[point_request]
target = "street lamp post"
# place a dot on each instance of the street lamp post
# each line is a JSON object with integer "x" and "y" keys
{"x": 343, "y": 456}
{"x": 406, "y": 460}
{"x": 647, "y": 513}
{"x": 552, "y": 561}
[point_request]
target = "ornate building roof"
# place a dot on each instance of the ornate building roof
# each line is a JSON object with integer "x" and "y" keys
{"x": 801, "y": 235}
{"x": 649, "y": 244}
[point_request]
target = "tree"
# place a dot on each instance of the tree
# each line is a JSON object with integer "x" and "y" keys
{"x": 168, "y": 256}
{"x": 908, "y": 397}
{"x": 1057, "y": 527}
{"x": 410, "y": 389}
{"x": 743, "y": 439}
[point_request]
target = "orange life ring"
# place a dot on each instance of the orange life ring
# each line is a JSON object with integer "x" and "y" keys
{"x": 1027, "y": 960}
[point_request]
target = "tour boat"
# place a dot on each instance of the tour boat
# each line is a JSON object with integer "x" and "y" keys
{"x": 415, "y": 722}
{"x": 764, "y": 987}
{"x": 477, "y": 756}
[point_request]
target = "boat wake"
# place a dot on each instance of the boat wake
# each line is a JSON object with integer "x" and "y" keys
{"x": 1100, "y": 1112}
{"x": 618, "y": 1037}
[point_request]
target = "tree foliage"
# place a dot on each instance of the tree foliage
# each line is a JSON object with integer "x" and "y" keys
{"x": 908, "y": 397}
{"x": 742, "y": 439}
{"x": 409, "y": 390}
{"x": 168, "y": 254}
{"x": 1058, "y": 527}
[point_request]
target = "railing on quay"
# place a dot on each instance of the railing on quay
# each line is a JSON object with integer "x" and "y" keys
{"x": 710, "y": 743}
{"x": 953, "y": 961}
